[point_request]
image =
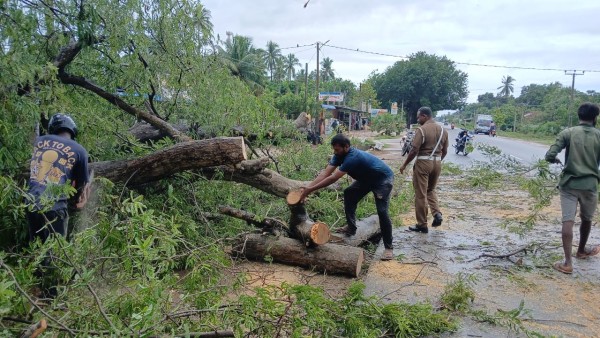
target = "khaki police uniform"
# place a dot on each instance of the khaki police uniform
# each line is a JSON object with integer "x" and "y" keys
{"x": 427, "y": 168}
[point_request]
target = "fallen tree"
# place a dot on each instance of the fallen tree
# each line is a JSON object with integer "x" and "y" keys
{"x": 329, "y": 258}
{"x": 177, "y": 158}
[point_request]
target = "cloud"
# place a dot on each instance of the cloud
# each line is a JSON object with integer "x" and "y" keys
{"x": 533, "y": 33}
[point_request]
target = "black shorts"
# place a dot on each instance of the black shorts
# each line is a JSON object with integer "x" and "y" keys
{"x": 41, "y": 225}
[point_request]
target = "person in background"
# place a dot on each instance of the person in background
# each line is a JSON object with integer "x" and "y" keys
{"x": 578, "y": 182}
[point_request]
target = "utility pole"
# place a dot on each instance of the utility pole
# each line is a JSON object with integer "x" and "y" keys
{"x": 305, "y": 85}
{"x": 572, "y": 73}
{"x": 318, "y": 71}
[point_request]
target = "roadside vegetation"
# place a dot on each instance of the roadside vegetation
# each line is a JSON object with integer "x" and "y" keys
{"x": 154, "y": 259}
{"x": 537, "y": 113}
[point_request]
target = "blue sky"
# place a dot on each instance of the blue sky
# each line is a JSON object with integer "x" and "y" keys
{"x": 562, "y": 35}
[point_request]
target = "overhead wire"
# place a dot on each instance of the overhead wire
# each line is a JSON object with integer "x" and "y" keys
{"x": 357, "y": 50}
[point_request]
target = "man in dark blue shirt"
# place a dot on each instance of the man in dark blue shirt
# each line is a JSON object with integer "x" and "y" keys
{"x": 370, "y": 174}
{"x": 57, "y": 160}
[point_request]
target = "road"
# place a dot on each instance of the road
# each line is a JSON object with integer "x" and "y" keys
{"x": 524, "y": 151}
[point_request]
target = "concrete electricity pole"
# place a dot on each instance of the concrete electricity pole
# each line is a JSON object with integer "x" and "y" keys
{"x": 572, "y": 73}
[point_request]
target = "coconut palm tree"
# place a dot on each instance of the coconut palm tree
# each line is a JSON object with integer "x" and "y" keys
{"x": 242, "y": 59}
{"x": 290, "y": 63}
{"x": 272, "y": 53}
{"x": 507, "y": 86}
{"x": 327, "y": 72}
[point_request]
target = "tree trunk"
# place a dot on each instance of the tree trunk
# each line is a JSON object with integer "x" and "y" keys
{"x": 329, "y": 258}
{"x": 367, "y": 230}
{"x": 180, "y": 157}
{"x": 301, "y": 226}
{"x": 254, "y": 174}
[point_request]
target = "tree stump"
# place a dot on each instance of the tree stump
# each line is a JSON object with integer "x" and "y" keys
{"x": 301, "y": 226}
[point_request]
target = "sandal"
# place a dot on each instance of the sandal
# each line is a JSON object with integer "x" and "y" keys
{"x": 388, "y": 255}
{"x": 588, "y": 253}
{"x": 558, "y": 266}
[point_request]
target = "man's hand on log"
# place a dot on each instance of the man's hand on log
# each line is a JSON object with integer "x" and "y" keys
{"x": 305, "y": 192}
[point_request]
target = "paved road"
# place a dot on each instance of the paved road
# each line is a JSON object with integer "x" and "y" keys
{"x": 524, "y": 151}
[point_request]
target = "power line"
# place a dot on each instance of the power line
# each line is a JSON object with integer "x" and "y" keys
{"x": 367, "y": 52}
{"x": 356, "y": 50}
{"x": 298, "y": 46}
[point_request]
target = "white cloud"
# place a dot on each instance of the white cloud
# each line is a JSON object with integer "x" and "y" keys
{"x": 534, "y": 33}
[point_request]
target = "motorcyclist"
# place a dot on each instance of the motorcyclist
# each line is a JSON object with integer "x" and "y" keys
{"x": 492, "y": 129}
{"x": 461, "y": 140}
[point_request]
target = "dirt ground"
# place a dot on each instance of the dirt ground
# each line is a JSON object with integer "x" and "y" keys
{"x": 557, "y": 304}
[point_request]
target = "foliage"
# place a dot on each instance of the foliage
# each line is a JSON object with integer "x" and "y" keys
{"x": 422, "y": 80}
{"x": 355, "y": 315}
{"x": 507, "y": 87}
{"x": 513, "y": 319}
{"x": 327, "y": 72}
{"x": 387, "y": 123}
{"x": 483, "y": 177}
{"x": 449, "y": 168}
{"x": 459, "y": 294}
{"x": 543, "y": 109}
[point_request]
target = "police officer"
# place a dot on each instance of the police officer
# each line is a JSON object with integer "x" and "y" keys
{"x": 429, "y": 146}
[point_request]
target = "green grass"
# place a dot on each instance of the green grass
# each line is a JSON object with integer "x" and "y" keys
{"x": 543, "y": 139}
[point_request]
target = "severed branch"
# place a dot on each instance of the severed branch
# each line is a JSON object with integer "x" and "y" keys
{"x": 267, "y": 224}
{"x": 523, "y": 249}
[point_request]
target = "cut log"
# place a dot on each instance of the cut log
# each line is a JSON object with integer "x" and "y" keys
{"x": 293, "y": 197}
{"x": 180, "y": 157}
{"x": 329, "y": 258}
{"x": 301, "y": 226}
{"x": 267, "y": 223}
{"x": 367, "y": 230}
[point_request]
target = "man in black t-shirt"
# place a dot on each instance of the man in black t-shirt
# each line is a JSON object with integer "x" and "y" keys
{"x": 57, "y": 160}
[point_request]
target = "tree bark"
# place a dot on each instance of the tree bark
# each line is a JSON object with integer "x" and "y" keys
{"x": 254, "y": 174}
{"x": 367, "y": 230}
{"x": 329, "y": 258}
{"x": 267, "y": 223}
{"x": 180, "y": 157}
{"x": 301, "y": 226}
{"x": 145, "y": 132}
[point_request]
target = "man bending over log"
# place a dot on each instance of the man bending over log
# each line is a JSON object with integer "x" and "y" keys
{"x": 370, "y": 174}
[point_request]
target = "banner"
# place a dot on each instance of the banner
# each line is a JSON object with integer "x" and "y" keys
{"x": 331, "y": 96}
{"x": 394, "y": 109}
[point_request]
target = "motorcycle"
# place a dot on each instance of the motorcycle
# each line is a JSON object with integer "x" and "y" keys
{"x": 493, "y": 133}
{"x": 452, "y": 126}
{"x": 464, "y": 144}
{"x": 407, "y": 142}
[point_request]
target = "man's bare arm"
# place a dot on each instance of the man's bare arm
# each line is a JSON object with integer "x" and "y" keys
{"x": 324, "y": 174}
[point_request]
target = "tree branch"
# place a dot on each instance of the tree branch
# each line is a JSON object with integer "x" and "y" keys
{"x": 10, "y": 273}
{"x": 160, "y": 124}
